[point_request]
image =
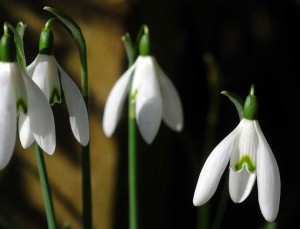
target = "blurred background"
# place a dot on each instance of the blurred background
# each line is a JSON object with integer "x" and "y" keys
{"x": 205, "y": 47}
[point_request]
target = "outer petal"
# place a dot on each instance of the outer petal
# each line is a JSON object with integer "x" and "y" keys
{"x": 8, "y": 118}
{"x": 31, "y": 67}
{"x": 240, "y": 184}
{"x": 40, "y": 117}
{"x": 172, "y": 108}
{"x": 45, "y": 75}
{"x": 77, "y": 109}
{"x": 148, "y": 98}
{"x": 25, "y": 134}
{"x": 268, "y": 178}
{"x": 213, "y": 169}
{"x": 115, "y": 102}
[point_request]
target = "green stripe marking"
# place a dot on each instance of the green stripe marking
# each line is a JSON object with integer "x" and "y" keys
{"x": 245, "y": 160}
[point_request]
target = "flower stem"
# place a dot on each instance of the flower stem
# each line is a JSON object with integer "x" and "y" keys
{"x": 132, "y": 152}
{"x": 86, "y": 188}
{"x": 45, "y": 187}
{"x": 86, "y": 164}
{"x": 211, "y": 122}
{"x": 132, "y": 168}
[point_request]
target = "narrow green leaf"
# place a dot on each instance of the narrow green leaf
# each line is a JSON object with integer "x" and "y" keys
{"x": 19, "y": 44}
{"x": 129, "y": 47}
{"x": 73, "y": 28}
{"x": 20, "y": 27}
{"x": 237, "y": 101}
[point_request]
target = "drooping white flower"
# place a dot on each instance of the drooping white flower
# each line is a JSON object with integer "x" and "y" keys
{"x": 250, "y": 156}
{"x": 154, "y": 95}
{"x": 19, "y": 96}
{"x": 52, "y": 80}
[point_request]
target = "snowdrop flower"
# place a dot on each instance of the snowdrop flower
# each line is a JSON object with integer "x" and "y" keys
{"x": 154, "y": 95}
{"x": 19, "y": 96}
{"x": 52, "y": 80}
{"x": 250, "y": 156}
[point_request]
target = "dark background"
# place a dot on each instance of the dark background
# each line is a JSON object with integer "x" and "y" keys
{"x": 252, "y": 42}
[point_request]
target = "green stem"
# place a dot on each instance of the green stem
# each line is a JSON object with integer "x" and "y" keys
{"x": 86, "y": 164}
{"x": 132, "y": 152}
{"x": 210, "y": 132}
{"x": 132, "y": 167}
{"x": 86, "y": 188}
{"x": 45, "y": 187}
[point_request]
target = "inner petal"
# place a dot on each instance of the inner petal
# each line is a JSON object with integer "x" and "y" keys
{"x": 247, "y": 144}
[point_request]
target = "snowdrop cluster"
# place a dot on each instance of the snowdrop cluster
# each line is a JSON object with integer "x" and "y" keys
{"x": 26, "y": 96}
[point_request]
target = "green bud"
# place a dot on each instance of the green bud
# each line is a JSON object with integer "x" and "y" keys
{"x": 46, "y": 42}
{"x": 144, "y": 45}
{"x": 7, "y": 48}
{"x": 251, "y": 106}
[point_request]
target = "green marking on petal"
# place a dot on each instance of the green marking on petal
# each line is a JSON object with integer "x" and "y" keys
{"x": 133, "y": 95}
{"x": 22, "y": 106}
{"x": 55, "y": 96}
{"x": 245, "y": 160}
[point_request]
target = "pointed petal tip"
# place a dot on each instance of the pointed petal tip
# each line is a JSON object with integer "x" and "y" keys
{"x": 48, "y": 148}
{"x": 84, "y": 141}
{"x": 108, "y": 129}
{"x": 179, "y": 127}
{"x": 198, "y": 200}
{"x": 148, "y": 136}
{"x": 270, "y": 215}
{"x": 148, "y": 139}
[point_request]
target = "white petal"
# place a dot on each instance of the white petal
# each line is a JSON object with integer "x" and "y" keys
{"x": 240, "y": 184}
{"x": 8, "y": 118}
{"x": 268, "y": 178}
{"x": 18, "y": 86}
{"x": 31, "y": 67}
{"x": 172, "y": 108}
{"x": 77, "y": 109}
{"x": 46, "y": 76}
{"x": 115, "y": 102}
{"x": 213, "y": 169}
{"x": 148, "y": 99}
{"x": 25, "y": 134}
{"x": 41, "y": 117}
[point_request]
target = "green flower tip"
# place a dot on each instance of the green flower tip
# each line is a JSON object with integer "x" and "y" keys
{"x": 251, "y": 106}
{"x": 7, "y": 46}
{"x": 144, "y": 43}
{"x": 46, "y": 41}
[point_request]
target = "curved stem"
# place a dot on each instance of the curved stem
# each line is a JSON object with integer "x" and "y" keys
{"x": 45, "y": 187}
